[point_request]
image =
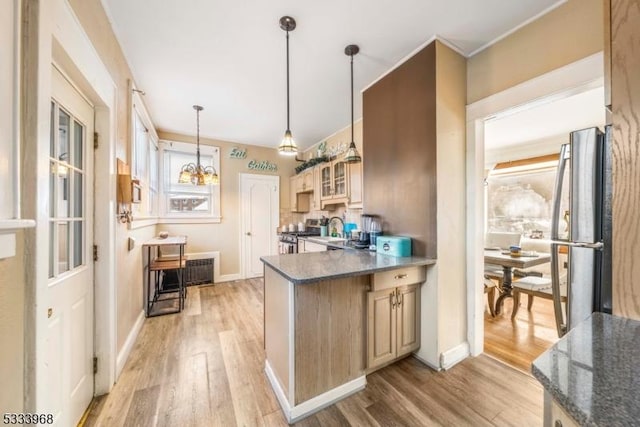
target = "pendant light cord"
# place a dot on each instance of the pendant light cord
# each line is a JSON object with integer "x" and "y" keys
{"x": 288, "y": 128}
{"x": 198, "y": 138}
{"x": 351, "y": 98}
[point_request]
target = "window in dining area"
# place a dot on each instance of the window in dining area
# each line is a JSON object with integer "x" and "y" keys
{"x": 520, "y": 197}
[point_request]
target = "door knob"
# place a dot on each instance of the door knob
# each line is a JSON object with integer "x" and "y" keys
{"x": 248, "y": 233}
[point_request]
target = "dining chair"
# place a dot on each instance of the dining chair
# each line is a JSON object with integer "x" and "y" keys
{"x": 490, "y": 290}
{"x": 534, "y": 286}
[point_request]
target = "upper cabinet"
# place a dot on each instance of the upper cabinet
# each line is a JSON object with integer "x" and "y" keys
{"x": 333, "y": 183}
{"x": 299, "y": 201}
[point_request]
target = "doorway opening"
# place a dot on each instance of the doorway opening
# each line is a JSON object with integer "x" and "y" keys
{"x": 513, "y": 141}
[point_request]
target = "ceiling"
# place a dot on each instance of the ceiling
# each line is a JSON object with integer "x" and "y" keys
{"x": 229, "y": 56}
{"x": 546, "y": 120}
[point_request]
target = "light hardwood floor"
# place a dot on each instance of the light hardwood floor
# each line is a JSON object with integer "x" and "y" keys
{"x": 204, "y": 367}
{"x": 520, "y": 341}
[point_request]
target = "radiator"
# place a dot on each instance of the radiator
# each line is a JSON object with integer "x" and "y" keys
{"x": 199, "y": 271}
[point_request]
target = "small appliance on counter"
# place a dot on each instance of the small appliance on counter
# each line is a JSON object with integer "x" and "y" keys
{"x": 397, "y": 246}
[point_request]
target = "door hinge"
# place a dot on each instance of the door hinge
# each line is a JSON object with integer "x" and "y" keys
{"x": 95, "y": 365}
{"x": 95, "y": 252}
{"x": 95, "y": 140}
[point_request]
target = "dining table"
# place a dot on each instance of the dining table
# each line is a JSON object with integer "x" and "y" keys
{"x": 508, "y": 262}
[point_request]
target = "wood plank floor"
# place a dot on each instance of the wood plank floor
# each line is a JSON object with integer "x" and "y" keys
{"x": 522, "y": 340}
{"x": 204, "y": 367}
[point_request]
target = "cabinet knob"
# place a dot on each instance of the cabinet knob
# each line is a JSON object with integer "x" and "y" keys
{"x": 248, "y": 233}
{"x": 558, "y": 423}
{"x": 393, "y": 300}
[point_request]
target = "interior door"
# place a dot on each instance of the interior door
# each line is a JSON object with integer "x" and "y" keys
{"x": 260, "y": 207}
{"x": 69, "y": 334}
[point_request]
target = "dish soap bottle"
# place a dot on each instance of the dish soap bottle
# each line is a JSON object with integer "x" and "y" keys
{"x": 334, "y": 231}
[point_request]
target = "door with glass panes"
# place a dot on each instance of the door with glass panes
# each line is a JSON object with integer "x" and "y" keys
{"x": 69, "y": 334}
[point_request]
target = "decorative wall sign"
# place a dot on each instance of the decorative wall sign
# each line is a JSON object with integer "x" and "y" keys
{"x": 238, "y": 153}
{"x": 262, "y": 165}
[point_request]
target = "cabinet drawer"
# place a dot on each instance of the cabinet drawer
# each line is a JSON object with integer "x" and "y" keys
{"x": 399, "y": 277}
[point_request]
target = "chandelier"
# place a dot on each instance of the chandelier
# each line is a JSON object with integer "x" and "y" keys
{"x": 197, "y": 174}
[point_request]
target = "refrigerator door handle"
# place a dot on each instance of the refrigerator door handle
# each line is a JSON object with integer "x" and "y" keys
{"x": 561, "y": 325}
{"x": 597, "y": 245}
{"x": 557, "y": 198}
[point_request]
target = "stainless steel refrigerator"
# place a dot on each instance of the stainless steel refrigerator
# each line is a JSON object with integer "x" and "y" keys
{"x": 584, "y": 226}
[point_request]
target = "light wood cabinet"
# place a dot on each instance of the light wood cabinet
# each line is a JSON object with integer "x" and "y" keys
{"x": 393, "y": 324}
{"x": 300, "y": 202}
{"x": 307, "y": 246}
{"x": 555, "y": 415}
{"x": 306, "y": 181}
{"x": 316, "y": 201}
{"x": 355, "y": 186}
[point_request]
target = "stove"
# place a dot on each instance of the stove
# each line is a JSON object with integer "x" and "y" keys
{"x": 289, "y": 239}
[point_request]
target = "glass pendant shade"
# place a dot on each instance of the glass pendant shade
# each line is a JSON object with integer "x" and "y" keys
{"x": 352, "y": 155}
{"x": 288, "y": 145}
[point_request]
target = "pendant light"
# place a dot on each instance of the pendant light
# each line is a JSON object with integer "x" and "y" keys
{"x": 352, "y": 155}
{"x": 288, "y": 145}
{"x": 197, "y": 174}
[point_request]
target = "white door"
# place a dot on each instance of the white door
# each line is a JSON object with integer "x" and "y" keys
{"x": 69, "y": 335}
{"x": 260, "y": 210}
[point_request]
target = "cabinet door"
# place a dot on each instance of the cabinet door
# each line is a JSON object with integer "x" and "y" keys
{"x": 326, "y": 182}
{"x": 316, "y": 188}
{"x": 381, "y": 327}
{"x": 307, "y": 180}
{"x": 355, "y": 185}
{"x": 408, "y": 312}
{"x": 314, "y": 247}
{"x": 293, "y": 197}
{"x": 339, "y": 179}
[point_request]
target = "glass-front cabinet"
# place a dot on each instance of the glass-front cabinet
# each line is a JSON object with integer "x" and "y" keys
{"x": 326, "y": 181}
{"x": 333, "y": 180}
{"x": 339, "y": 179}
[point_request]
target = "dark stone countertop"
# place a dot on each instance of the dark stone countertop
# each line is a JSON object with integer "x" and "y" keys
{"x": 593, "y": 372}
{"x": 316, "y": 266}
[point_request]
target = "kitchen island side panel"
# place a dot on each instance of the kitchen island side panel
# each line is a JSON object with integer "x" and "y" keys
{"x": 330, "y": 333}
{"x": 277, "y": 324}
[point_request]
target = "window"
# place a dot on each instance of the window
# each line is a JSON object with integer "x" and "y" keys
{"x": 519, "y": 199}
{"x": 144, "y": 165}
{"x": 188, "y": 200}
{"x": 67, "y": 191}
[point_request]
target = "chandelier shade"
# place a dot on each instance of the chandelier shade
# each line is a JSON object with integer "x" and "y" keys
{"x": 195, "y": 173}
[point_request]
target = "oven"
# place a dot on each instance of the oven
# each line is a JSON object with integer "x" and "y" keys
{"x": 288, "y": 244}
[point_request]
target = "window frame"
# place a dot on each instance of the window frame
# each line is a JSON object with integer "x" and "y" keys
{"x": 146, "y": 212}
{"x": 214, "y": 213}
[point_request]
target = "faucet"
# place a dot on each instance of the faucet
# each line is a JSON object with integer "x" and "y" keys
{"x": 341, "y": 221}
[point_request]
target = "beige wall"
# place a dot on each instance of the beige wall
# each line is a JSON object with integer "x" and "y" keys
{"x": 451, "y": 156}
{"x": 225, "y": 236}
{"x": 12, "y": 285}
{"x": 94, "y": 20}
{"x": 564, "y": 35}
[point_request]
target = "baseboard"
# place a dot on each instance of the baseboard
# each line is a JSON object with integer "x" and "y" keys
{"x": 316, "y": 404}
{"x": 426, "y": 362}
{"x": 455, "y": 355}
{"x": 123, "y": 354}
{"x": 228, "y": 278}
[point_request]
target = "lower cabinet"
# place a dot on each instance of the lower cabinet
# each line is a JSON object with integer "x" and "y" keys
{"x": 393, "y": 324}
{"x": 307, "y": 246}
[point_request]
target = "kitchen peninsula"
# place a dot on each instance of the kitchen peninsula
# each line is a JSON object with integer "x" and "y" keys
{"x": 331, "y": 317}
